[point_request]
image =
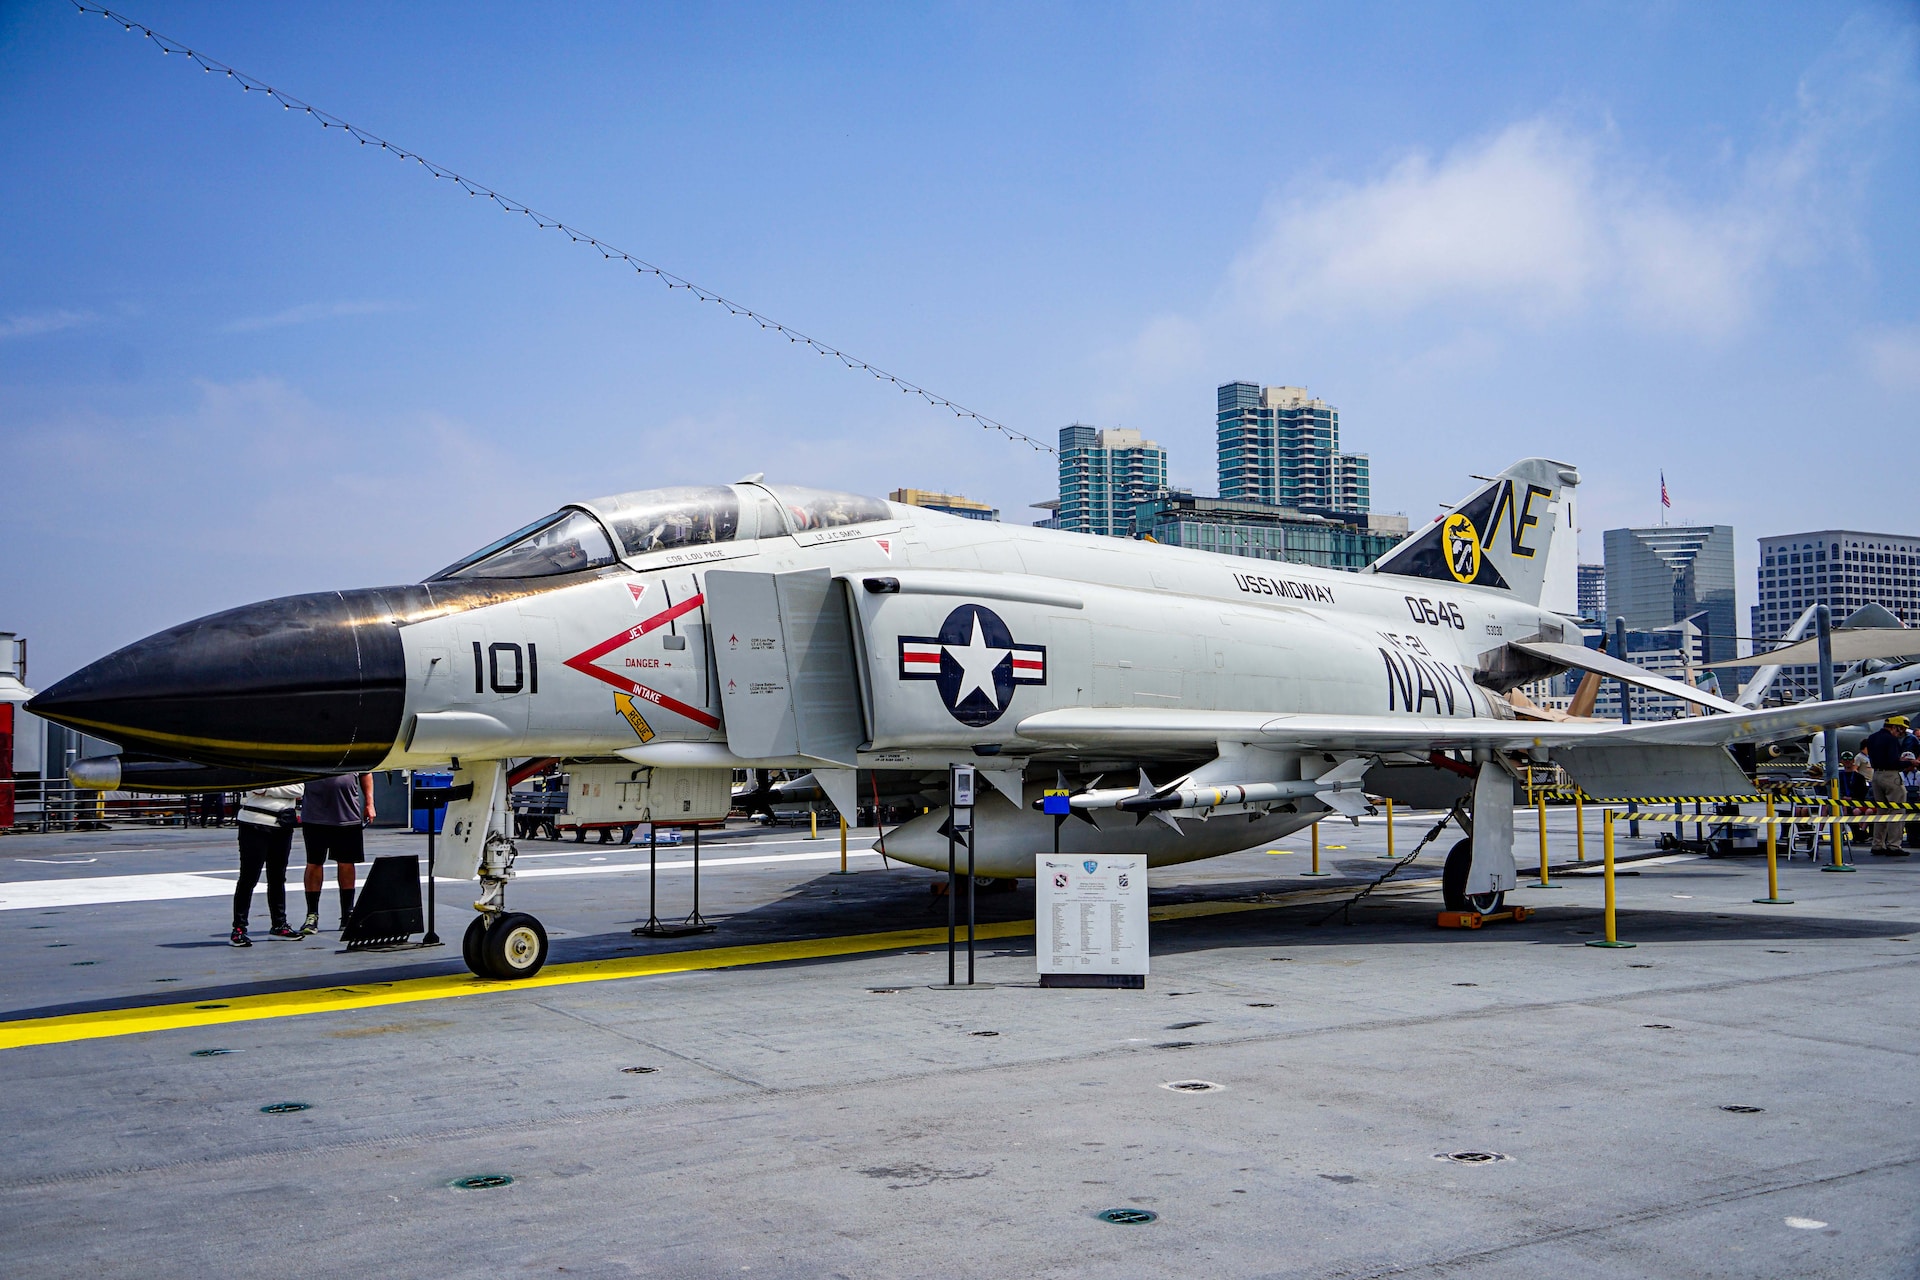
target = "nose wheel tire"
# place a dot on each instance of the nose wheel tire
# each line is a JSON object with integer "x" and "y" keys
{"x": 1453, "y": 884}
{"x": 471, "y": 944}
{"x": 515, "y": 946}
{"x": 511, "y": 946}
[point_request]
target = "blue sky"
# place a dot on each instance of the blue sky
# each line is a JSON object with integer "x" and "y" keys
{"x": 242, "y": 357}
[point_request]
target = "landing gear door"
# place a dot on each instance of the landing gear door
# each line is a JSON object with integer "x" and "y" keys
{"x": 783, "y": 653}
{"x": 1493, "y": 870}
{"x": 463, "y": 833}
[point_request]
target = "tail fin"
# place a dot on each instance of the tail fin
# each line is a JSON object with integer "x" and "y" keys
{"x": 1516, "y": 533}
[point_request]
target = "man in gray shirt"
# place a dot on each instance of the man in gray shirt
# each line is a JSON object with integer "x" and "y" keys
{"x": 334, "y": 813}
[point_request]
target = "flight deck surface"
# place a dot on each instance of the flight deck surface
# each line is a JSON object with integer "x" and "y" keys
{"x": 814, "y": 1108}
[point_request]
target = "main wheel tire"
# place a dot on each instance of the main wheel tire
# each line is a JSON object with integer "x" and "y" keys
{"x": 473, "y": 947}
{"x": 515, "y": 947}
{"x": 1453, "y": 884}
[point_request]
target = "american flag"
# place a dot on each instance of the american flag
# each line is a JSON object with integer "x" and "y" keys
{"x": 1665, "y": 501}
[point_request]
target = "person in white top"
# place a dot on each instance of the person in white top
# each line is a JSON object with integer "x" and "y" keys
{"x": 266, "y": 824}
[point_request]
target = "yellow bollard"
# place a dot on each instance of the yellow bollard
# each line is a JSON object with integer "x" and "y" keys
{"x": 1773, "y": 864}
{"x": 1580, "y": 825}
{"x": 813, "y": 823}
{"x": 1606, "y": 852}
{"x": 1316, "y": 854}
{"x": 1839, "y": 862}
{"x": 1540, "y": 809}
{"x": 1389, "y": 853}
{"x": 843, "y": 844}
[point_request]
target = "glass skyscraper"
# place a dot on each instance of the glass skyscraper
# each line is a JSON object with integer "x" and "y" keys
{"x": 1104, "y": 475}
{"x": 1663, "y": 575}
{"x": 1280, "y": 446}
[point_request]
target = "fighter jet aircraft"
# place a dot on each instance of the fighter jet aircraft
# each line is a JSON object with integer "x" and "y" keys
{"x": 1198, "y": 703}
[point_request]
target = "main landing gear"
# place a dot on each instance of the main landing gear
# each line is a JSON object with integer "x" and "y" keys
{"x": 1453, "y": 883}
{"x": 500, "y": 943}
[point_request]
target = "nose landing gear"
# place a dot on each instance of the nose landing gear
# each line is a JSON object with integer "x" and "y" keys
{"x": 506, "y": 946}
{"x": 501, "y": 944}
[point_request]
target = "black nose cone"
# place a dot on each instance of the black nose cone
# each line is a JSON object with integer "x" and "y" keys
{"x": 309, "y": 683}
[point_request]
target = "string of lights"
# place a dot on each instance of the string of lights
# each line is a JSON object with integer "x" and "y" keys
{"x": 326, "y": 120}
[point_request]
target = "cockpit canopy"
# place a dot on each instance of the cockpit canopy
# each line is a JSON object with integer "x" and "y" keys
{"x": 650, "y": 520}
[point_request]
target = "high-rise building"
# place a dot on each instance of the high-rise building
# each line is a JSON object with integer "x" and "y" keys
{"x": 1265, "y": 532}
{"x": 951, "y": 503}
{"x": 1280, "y": 446}
{"x": 1104, "y": 475}
{"x": 1840, "y": 568}
{"x": 1660, "y": 576}
{"x": 1591, "y": 593}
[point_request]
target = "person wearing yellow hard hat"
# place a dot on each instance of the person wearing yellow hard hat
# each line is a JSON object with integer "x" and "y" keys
{"x": 1883, "y": 749}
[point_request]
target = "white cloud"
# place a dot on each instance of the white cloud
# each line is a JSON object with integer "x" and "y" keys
{"x": 1503, "y": 218}
{"x": 1542, "y": 220}
{"x": 307, "y": 313}
{"x": 28, "y": 326}
{"x": 1894, "y": 358}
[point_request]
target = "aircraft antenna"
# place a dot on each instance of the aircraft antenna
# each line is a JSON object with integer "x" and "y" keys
{"x": 326, "y": 120}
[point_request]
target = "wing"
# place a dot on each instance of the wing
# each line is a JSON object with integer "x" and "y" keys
{"x": 1143, "y": 730}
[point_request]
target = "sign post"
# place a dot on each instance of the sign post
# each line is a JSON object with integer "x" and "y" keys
{"x": 1090, "y": 921}
{"x": 960, "y": 787}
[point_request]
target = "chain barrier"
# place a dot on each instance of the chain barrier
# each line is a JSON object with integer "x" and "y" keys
{"x": 609, "y": 252}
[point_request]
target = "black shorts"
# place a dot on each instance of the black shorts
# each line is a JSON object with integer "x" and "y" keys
{"x": 342, "y": 844}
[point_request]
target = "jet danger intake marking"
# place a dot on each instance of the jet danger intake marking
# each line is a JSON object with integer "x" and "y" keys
{"x": 974, "y": 663}
{"x": 586, "y": 663}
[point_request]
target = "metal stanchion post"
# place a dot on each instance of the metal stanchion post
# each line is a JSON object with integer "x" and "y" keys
{"x": 843, "y": 844}
{"x": 1580, "y": 825}
{"x": 969, "y": 906}
{"x": 1316, "y": 854}
{"x": 813, "y": 823}
{"x": 953, "y": 876}
{"x": 1540, "y": 809}
{"x": 1388, "y": 855}
{"x": 653, "y": 877}
{"x": 1773, "y": 864}
{"x": 1839, "y": 862}
{"x": 1606, "y": 852}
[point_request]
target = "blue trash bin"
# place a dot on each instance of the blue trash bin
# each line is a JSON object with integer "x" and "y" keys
{"x": 423, "y": 816}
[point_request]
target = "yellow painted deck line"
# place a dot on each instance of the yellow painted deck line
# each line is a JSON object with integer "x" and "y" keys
{"x": 372, "y": 995}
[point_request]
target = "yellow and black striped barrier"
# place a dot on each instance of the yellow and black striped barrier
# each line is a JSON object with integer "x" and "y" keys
{"x": 1758, "y": 820}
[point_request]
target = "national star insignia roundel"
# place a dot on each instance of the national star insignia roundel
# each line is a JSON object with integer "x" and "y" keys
{"x": 974, "y": 663}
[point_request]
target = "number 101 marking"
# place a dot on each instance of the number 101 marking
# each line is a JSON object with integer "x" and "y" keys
{"x": 524, "y": 668}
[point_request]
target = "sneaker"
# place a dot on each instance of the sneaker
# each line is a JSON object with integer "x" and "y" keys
{"x": 284, "y": 930}
{"x": 311, "y": 924}
{"x": 239, "y": 938}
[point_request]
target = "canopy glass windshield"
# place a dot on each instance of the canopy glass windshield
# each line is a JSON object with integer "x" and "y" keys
{"x": 666, "y": 519}
{"x": 563, "y": 542}
{"x": 823, "y": 509}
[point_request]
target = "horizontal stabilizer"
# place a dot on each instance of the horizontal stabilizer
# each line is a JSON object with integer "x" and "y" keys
{"x": 1605, "y": 664}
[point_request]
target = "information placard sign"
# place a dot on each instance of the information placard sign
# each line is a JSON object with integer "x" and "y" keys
{"x": 1090, "y": 920}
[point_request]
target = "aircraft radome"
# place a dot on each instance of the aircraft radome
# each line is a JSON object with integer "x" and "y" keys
{"x": 657, "y": 640}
